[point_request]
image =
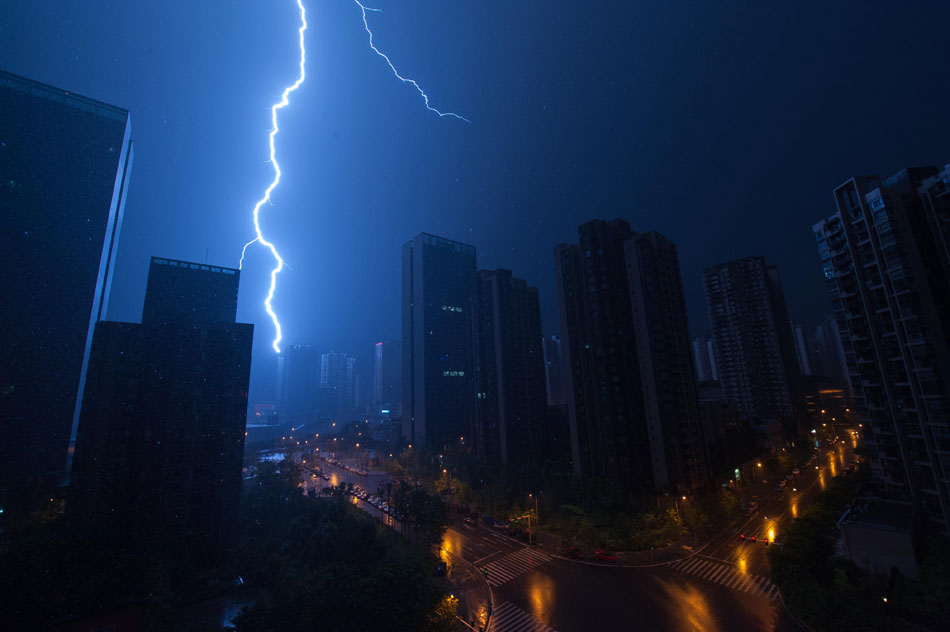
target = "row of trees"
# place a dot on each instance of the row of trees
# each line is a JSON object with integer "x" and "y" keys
{"x": 324, "y": 565}
{"x": 828, "y": 592}
{"x": 596, "y": 512}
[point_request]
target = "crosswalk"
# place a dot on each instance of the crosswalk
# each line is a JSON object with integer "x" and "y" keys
{"x": 727, "y": 575}
{"x": 510, "y": 618}
{"x": 514, "y": 564}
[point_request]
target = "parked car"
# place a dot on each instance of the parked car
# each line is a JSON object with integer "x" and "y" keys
{"x": 574, "y": 552}
{"x": 605, "y": 556}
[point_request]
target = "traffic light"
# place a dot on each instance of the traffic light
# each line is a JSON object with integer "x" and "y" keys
{"x": 485, "y": 573}
{"x": 766, "y": 541}
{"x": 742, "y": 536}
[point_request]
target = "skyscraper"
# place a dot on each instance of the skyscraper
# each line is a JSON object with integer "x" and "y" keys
{"x": 510, "y": 399}
{"x": 704, "y": 356}
{"x": 553, "y": 371}
{"x": 65, "y": 162}
{"x": 802, "y": 349}
{"x": 160, "y": 442}
{"x": 298, "y": 384}
{"x": 605, "y": 407}
{"x": 387, "y": 382}
{"x": 438, "y": 283}
{"x": 630, "y": 386}
{"x": 883, "y": 254}
{"x": 661, "y": 329}
{"x": 758, "y": 369}
{"x": 338, "y": 382}
{"x": 830, "y": 352}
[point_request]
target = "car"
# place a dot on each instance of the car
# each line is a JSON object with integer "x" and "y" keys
{"x": 502, "y": 526}
{"x": 469, "y": 520}
{"x": 574, "y": 552}
{"x": 796, "y": 472}
{"x": 605, "y": 556}
{"x": 780, "y": 487}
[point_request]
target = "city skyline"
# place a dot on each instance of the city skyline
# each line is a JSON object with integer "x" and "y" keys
{"x": 479, "y": 316}
{"x": 206, "y": 133}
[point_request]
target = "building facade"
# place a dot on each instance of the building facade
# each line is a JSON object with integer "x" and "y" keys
{"x": 661, "y": 329}
{"x": 704, "y": 356}
{"x": 553, "y": 370}
{"x": 66, "y": 161}
{"x": 438, "y": 283}
{"x": 387, "y": 376}
{"x": 758, "y": 368}
{"x": 510, "y": 397}
{"x": 160, "y": 441}
{"x": 629, "y": 382}
{"x": 298, "y": 384}
{"x": 883, "y": 254}
{"x": 338, "y": 383}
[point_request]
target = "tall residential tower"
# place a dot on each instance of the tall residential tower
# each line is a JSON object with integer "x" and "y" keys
{"x": 884, "y": 255}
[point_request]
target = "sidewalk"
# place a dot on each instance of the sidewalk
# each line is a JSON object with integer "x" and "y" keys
{"x": 472, "y": 591}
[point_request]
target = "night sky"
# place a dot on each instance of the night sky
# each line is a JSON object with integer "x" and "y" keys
{"x": 723, "y": 125}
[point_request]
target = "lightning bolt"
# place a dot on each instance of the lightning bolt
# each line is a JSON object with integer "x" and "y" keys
{"x": 422, "y": 93}
{"x": 284, "y": 102}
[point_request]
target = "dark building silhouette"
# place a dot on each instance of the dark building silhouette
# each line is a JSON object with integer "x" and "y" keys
{"x": 65, "y": 162}
{"x": 629, "y": 380}
{"x": 605, "y": 409}
{"x": 510, "y": 398}
{"x": 387, "y": 377}
{"x": 338, "y": 383}
{"x": 829, "y": 353}
{"x": 160, "y": 442}
{"x": 755, "y": 353}
{"x": 884, "y": 254}
{"x": 298, "y": 384}
{"x": 184, "y": 292}
{"x": 553, "y": 371}
{"x": 729, "y": 438}
{"x": 704, "y": 356}
{"x": 438, "y": 283}
{"x": 661, "y": 329}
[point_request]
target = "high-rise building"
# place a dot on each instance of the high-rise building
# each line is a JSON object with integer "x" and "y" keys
{"x": 553, "y": 371}
{"x": 338, "y": 382}
{"x": 883, "y": 254}
{"x": 605, "y": 407}
{"x": 160, "y": 442}
{"x": 704, "y": 356}
{"x": 387, "y": 382}
{"x": 630, "y": 387}
{"x": 510, "y": 399}
{"x": 65, "y": 162}
{"x": 829, "y": 351}
{"x": 802, "y": 349}
{"x": 758, "y": 368}
{"x": 298, "y": 384}
{"x": 438, "y": 283}
{"x": 661, "y": 330}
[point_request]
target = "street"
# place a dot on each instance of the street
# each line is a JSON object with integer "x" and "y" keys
{"x": 722, "y": 585}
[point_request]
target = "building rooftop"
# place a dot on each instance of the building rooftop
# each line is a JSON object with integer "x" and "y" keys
{"x": 42, "y": 90}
